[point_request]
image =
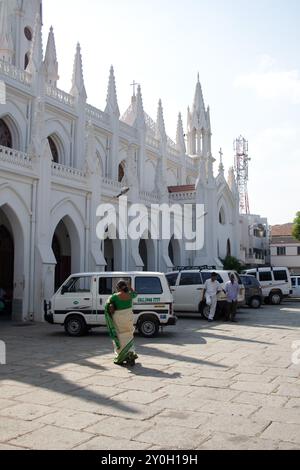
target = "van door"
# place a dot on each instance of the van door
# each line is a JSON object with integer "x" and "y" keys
{"x": 281, "y": 280}
{"x": 189, "y": 292}
{"x": 295, "y": 286}
{"x": 106, "y": 287}
{"x": 266, "y": 281}
{"x": 76, "y": 296}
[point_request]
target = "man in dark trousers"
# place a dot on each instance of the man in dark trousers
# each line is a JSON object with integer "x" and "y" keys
{"x": 232, "y": 289}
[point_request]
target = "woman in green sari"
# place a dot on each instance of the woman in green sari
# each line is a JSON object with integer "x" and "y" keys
{"x": 119, "y": 319}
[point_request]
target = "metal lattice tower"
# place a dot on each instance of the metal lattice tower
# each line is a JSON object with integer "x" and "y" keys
{"x": 242, "y": 172}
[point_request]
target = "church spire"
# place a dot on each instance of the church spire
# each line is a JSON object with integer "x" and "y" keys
{"x": 51, "y": 64}
{"x": 139, "y": 110}
{"x": 180, "y": 142}
{"x": 199, "y": 113}
{"x": 112, "y": 106}
{"x": 232, "y": 181}
{"x": 160, "y": 123}
{"x": 36, "y": 52}
{"x": 78, "y": 88}
{"x": 6, "y": 42}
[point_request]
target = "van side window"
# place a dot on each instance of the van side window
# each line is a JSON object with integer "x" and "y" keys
{"x": 293, "y": 281}
{"x": 172, "y": 278}
{"x": 148, "y": 285}
{"x": 265, "y": 276}
{"x": 190, "y": 279}
{"x": 107, "y": 285}
{"x": 280, "y": 275}
{"x": 78, "y": 284}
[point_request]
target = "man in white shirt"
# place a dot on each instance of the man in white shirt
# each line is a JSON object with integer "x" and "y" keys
{"x": 211, "y": 289}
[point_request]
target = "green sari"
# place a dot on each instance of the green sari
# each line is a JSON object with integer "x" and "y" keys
{"x": 120, "y": 326}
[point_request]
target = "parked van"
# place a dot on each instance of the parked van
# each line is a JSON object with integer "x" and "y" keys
{"x": 187, "y": 286}
{"x": 79, "y": 303}
{"x": 275, "y": 283}
{"x": 295, "y": 286}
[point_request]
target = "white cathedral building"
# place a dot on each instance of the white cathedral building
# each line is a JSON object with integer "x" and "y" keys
{"x": 60, "y": 158}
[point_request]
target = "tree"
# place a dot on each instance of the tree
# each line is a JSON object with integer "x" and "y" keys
{"x": 296, "y": 227}
{"x": 232, "y": 264}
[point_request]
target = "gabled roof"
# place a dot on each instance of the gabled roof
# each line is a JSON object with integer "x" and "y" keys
{"x": 284, "y": 230}
{"x": 182, "y": 189}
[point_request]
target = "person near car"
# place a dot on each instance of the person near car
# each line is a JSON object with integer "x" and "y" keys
{"x": 232, "y": 289}
{"x": 211, "y": 289}
{"x": 119, "y": 319}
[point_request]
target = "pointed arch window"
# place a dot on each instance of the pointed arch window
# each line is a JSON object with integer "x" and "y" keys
{"x": 222, "y": 218}
{"x": 121, "y": 173}
{"x": 26, "y": 60}
{"x": 5, "y": 135}
{"x": 54, "y": 151}
{"x": 28, "y": 33}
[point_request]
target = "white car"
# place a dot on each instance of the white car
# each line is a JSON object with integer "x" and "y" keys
{"x": 275, "y": 282}
{"x": 295, "y": 286}
{"x": 79, "y": 303}
{"x": 187, "y": 286}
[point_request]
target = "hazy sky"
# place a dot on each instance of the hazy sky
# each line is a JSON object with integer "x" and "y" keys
{"x": 247, "y": 54}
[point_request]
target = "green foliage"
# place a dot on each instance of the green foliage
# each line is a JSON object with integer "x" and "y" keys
{"x": 232, "y": 264}
{"x": 296, "y": 227}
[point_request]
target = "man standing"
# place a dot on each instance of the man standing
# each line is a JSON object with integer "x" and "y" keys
{"x": 232, "y": 291}
{"x": 211, "y": 289}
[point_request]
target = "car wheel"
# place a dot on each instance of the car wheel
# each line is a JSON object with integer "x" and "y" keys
{"x": 255, "y": 302}
{"x": 148, "y": 327}
{"x": 75, "y": 326}
{"x": 275, "y": 298}
{"x": 205, "y": 312}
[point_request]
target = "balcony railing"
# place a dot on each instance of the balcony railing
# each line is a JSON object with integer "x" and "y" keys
{"x": 15, "y": 73}
{"x": 60, "y": 96}
{"x": 15, "y": 157}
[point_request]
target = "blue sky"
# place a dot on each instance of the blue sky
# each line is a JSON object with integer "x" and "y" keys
{"x": 248, "y": 58}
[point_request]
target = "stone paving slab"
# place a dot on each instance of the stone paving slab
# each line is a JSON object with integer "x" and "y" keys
{"x": 197, "y": 386}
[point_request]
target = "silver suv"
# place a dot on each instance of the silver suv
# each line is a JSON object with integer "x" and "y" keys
{"x": 187, "y": 286}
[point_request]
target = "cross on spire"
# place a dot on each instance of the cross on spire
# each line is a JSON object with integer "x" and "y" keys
{"x": 221, "y": 166}
{"x": 134, "y": 84}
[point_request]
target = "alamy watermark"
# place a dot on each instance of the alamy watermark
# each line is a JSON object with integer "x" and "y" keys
{"x": 159, "y": 222}
{"x": 2, "y": 353}
{"x": 296, "y": 353}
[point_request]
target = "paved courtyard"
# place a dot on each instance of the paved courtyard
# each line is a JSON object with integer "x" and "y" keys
{"x": 197, "y": 386}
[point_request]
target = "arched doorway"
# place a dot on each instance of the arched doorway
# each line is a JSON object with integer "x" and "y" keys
{"x": 174, "y": 252}
{"x": 228, "y": 248}
{"x": 5, "y": 135}
{"x": 147, "y": 253}
{"x": 109, "y": 255}
{"x": 143, "y": 253}
{"x": 62, "y": 249}
{"x": 6, "y": 267}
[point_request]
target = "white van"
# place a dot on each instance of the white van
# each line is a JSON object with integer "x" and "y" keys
{"x": 295, "y": 286}
{"x": 187, "y": 286}
{"x": 79, "y": 303}
{"x": 275, "y": 283}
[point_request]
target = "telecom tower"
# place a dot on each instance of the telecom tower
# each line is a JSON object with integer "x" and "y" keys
{"x": 242, "y": 172}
